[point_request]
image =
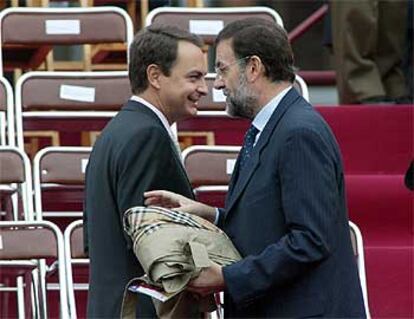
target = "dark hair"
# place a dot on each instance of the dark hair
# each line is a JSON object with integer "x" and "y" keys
{"x": 156, "y": 44}
{"x": 267, "y": 40}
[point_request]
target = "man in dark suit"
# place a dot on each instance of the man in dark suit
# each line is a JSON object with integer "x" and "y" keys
{"x": 137, "y": 152}
{"x": 285, "y": 210}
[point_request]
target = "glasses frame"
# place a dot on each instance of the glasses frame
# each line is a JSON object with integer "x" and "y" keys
{"x": 222, "y": 70}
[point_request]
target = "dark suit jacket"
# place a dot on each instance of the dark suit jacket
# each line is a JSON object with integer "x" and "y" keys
{"x": 286, "y": 214}
{"x": 133, "y": 154}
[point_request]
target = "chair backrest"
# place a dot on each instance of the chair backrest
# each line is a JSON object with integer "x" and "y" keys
{"x": 16, "y": 181}
{"x": 60, "y": 171}
{"x": 26, "y": 241}
{"x": 7, "y": 136}
{"x": 208, "y": 22}
{"x": 210, "y": 165}
{"x": 209, "y": 169}
{"x": 37, "y": 29}
{"x": 68, "y": 104}
{"x": 358, "y": 248}
{"x": 74, "y": 254}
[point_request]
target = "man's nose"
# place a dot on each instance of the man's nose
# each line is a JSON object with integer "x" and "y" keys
{"x": 203, "y": 88}
{"x": 218, "y": 83}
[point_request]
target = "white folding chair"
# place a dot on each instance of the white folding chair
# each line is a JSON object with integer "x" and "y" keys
{"x": 23, "y": 245}
{"x": 59, "y": 170}
{"x": 28, "y": 34}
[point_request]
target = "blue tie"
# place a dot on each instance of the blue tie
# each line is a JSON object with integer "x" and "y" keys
{"x": 247, "y": 148}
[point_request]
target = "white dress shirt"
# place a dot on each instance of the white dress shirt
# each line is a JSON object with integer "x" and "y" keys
{"x": 261, "y": 118}
{"x": 160, "y": 115}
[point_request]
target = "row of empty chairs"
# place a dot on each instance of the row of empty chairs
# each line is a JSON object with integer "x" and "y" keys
{"x": 30, "y": 238}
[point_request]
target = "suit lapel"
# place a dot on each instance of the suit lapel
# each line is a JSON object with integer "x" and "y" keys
{"x": 135, "y": 106}
{"x": 239, "y": 179}
{"x": 139, "y": 107}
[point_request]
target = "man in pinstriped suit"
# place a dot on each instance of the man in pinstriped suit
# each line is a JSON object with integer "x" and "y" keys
{"x": 285, "y": 210}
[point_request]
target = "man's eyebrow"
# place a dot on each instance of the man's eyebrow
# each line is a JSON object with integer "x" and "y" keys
{"x": 196, "y": 72}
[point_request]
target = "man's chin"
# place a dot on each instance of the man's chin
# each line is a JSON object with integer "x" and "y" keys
{"x": 230, "y": 110}
{"x": 191, "y": 112}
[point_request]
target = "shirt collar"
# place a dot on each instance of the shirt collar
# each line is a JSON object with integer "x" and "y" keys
{"x": 266, "y": 112}
{"x": 157, "y": 112}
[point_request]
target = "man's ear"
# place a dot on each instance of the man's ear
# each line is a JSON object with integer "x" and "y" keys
{"x": 255, "y": 68}
{"x": 154, "y": 75}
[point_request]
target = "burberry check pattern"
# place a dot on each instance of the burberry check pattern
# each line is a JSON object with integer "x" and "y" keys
{"x": 249, "y": 139}
{"x": 140, "y": 221}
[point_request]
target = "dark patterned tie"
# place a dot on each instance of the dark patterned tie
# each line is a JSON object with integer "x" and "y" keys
{"x": 247, "y": 148}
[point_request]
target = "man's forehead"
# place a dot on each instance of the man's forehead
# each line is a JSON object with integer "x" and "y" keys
{"x": 189, "y": 52}
{"x": 190, "y": 59}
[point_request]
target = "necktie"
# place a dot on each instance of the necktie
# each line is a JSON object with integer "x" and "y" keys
{"x": 247, "y": 148}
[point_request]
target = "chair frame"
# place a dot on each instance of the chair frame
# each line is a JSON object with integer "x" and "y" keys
{"x": 303, "y": 87}
{"x": 7, "y": 122}
{"x": 214, "y": 11}
{"x": 68, "y": 265}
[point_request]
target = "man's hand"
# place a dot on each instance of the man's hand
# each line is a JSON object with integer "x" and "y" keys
{"x": 208, "y": 282}
{"x": 168, "y": 199}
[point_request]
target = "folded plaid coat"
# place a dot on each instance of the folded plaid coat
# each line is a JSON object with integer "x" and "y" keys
{"x": 172, "y": 248}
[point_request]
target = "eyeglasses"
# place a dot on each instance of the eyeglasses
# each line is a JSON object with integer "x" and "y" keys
{"x": 222, "y": 70}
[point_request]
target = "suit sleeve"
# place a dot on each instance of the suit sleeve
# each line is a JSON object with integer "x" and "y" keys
{"x": 309, "y": 203}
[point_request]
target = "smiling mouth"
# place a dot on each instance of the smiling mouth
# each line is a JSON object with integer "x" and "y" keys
{"x": 193, "y": 100}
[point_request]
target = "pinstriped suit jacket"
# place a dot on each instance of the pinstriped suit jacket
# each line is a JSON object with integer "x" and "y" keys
{"x": 286, "y": 214}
